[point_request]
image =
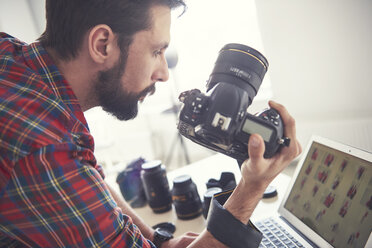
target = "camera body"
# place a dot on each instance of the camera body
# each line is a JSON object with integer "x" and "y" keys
{"x": 219, "y": 119}
{"x": 220, "y": 122}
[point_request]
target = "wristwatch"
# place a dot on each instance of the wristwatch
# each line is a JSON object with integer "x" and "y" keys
{"x": 160, "y": 236}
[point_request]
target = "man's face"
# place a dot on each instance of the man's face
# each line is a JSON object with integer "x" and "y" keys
{"x": 120, "y": 88}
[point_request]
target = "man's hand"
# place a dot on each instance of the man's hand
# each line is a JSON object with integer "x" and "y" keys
{"x": 181, "y": 241}
{"x": 259, "y": 171}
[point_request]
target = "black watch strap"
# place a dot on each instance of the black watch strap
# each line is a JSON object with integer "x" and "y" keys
{"x": 228, "y": 230}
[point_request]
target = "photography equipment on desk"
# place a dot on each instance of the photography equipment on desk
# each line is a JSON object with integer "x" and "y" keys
{"x": 219, "y": 119}
{"x": 155, "y": 183}
{"x": 208, "y": 196}
{"x": 186, "y": 198}
{"x": 170, "y": 227}
{"x": 130, "y": 183}
{"x": 270, "y": 192}
{"x": 226, "y": 182}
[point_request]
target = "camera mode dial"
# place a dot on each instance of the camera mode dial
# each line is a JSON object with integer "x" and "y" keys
{"x": 272, "y": 116}
{"x": 194, "y": 105}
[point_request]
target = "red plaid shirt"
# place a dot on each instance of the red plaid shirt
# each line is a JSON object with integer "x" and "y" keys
{"x": 52, "y": 192}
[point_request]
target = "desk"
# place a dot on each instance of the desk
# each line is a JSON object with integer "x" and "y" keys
{"x": 200, "y": 172}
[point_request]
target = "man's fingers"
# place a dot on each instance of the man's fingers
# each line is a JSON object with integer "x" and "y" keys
{"x": 289, "y": 128}
{"x": 299, "y": 148}
{"x": 191, "y": 234}
{"x": 256, "y": 147}
{"x": 288, "y": 121}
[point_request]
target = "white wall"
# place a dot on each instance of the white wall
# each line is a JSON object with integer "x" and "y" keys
{"x": 320, "y": 57}
{"x": 24, "y": 19}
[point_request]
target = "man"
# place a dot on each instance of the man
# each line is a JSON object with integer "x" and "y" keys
{"x": 93, "y": 53}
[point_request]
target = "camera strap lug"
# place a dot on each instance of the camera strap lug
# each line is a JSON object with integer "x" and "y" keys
{"x": 284, "y": 141}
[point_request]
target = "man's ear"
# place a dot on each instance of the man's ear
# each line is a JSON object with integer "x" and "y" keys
{"x": 102, "y": 44}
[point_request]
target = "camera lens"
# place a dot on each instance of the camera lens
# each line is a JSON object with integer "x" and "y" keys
{"x": 129, "y": 180}
{"x": 208, "y": 195}
{"x": 240, "y": 65}
{"x": 155, "y": 184}
{"x": 186, "y": 198}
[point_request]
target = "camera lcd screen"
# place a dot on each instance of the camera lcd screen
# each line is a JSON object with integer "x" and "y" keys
{"x": 250, "y": 127}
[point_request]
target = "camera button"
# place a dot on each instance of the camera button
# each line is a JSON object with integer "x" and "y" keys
{"x": 241, "y": 115}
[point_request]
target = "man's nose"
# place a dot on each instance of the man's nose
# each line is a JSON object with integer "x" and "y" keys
{"x": 161, "y": 73}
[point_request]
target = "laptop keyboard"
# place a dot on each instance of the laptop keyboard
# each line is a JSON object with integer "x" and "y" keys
{"x": 274, "y": 235}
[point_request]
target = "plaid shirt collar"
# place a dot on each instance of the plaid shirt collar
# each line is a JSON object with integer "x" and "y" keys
{"x": 38, "y": 59}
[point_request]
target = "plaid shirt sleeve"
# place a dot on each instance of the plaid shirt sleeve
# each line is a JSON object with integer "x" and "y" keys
{"x": 54, "y": 199}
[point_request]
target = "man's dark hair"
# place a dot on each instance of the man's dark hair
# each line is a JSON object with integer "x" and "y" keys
{"x": 69, "y": 20}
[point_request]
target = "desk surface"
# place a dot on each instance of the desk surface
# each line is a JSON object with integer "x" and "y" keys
{"x": 200, "y": 173}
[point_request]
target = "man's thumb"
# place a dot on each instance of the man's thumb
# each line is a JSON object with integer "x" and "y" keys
{"x": 256, "y": 147}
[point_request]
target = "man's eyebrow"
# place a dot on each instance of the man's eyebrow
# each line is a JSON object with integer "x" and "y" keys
{"x": 163, "y": 45}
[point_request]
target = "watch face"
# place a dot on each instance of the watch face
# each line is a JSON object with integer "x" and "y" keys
{"x": 161, "y": 235}
{"x": 164, "y": 233}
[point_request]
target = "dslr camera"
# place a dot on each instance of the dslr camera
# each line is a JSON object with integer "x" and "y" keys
{"x": 219, "y": 119}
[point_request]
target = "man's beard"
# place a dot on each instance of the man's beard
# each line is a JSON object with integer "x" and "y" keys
{"x": 111, "y": 95}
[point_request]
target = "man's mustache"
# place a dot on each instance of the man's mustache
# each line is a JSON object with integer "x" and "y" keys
{"x": 150, "y": 90}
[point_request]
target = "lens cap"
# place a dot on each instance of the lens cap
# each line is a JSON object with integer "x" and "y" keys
{"x": 182, "y": 181}
{"x": 170, "y": 227}
{"x": 270, "y": 192}
{"x": 151, "y": 165}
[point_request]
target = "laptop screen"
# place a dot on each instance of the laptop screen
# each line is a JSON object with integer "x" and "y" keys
{"x": 332, "y": 195}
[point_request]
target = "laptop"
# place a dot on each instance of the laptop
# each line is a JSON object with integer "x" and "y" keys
{"x": 328, "y": 202}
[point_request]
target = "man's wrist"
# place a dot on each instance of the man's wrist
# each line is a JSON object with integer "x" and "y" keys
{"x": 252, "y": 185}
{"x": 244, "y": 200}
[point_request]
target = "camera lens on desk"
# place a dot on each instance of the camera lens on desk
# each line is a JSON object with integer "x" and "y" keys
{"x": 208, "y": 195}
{"x": 155, "y": 184}
{"x": 186, "y": 198}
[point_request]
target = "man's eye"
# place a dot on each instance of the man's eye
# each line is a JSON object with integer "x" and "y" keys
{"x": 158, "y": 52}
